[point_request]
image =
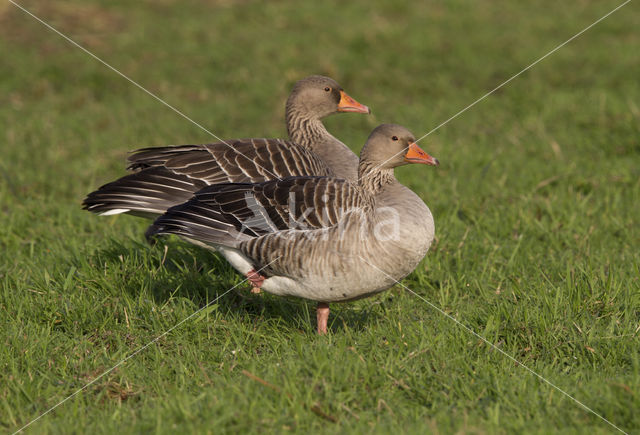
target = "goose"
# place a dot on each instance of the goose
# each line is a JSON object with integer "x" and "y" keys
{"x": 321, "y": 238}
{"x": 168, "y": 176}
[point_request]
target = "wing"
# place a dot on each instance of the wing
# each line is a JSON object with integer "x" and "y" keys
{"x": 147, "y": 193}
{"x": 234, "y": 161}
{"x": 253, "y": 210}
{"x": 169, "y": 176}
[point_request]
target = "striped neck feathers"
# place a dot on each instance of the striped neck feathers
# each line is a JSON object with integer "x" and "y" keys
{"x": 304, "y": 128}
{"x": 372, "y": 178}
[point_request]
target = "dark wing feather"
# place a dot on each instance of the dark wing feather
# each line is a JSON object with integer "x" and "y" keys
{"x": 168, "y": 176}
{"x": 253, "y": 210}
{"x": 146, "y": 193}
{"x": 236, "y": 161}
{"x": 280, "y": 205}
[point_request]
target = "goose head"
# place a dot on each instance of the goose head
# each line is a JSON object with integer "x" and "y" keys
{"x": 319, "y": 96}
{"x": 392, "y": 145}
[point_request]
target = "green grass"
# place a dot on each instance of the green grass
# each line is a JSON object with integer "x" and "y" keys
{"x": 536, "y": 207}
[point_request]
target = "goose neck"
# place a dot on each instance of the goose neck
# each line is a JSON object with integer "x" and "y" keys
{"x": 373, "y": 178}
{"x": 303, "y": 128}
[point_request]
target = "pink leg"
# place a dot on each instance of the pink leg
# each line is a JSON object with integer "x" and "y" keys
{"x": 322, "y": 316}
{"x": 256, "y": 281}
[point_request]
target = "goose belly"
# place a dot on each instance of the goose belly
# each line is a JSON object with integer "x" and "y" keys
{"x": 341, "y": 266}
{"x": 335, "y": 288}
{"x": 347, "y": 274}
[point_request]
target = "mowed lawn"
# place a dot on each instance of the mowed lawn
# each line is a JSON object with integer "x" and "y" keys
{"x": 536, "y": 204}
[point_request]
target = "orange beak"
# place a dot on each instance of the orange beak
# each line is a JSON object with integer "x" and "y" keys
{"x": 416, "y": 155}
{"x": 348, "y": 104}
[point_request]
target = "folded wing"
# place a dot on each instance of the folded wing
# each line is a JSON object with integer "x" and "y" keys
{"x": 229, "y": 214}
{"x": 167, "y": 176}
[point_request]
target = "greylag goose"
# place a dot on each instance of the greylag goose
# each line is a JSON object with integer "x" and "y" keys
{"x": 168, "y": 176}
{"x": 319, "y": 238}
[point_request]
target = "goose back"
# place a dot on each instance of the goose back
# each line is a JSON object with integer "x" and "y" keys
{"x": 168, "y": 176}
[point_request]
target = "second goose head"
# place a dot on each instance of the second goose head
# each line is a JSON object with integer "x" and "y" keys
{"x": 316, "y": 97}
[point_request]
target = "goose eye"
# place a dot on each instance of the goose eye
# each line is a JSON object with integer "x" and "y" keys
{"x": 394, "y": 138}
{"x": 327, "y": 89}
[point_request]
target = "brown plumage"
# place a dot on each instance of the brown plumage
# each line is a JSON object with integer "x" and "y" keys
{"x": 321, "y": 238}
{"x": 169, "y": 176}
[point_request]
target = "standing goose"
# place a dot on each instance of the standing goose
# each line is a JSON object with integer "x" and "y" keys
{"x": 319, "y": 238}
{"x": 168, "y": 176}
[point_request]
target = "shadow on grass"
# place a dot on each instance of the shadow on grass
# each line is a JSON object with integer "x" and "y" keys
{"x": 172, "y": 269}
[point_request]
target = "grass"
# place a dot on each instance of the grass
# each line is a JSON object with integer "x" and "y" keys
{"x": 536, "y": 209}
